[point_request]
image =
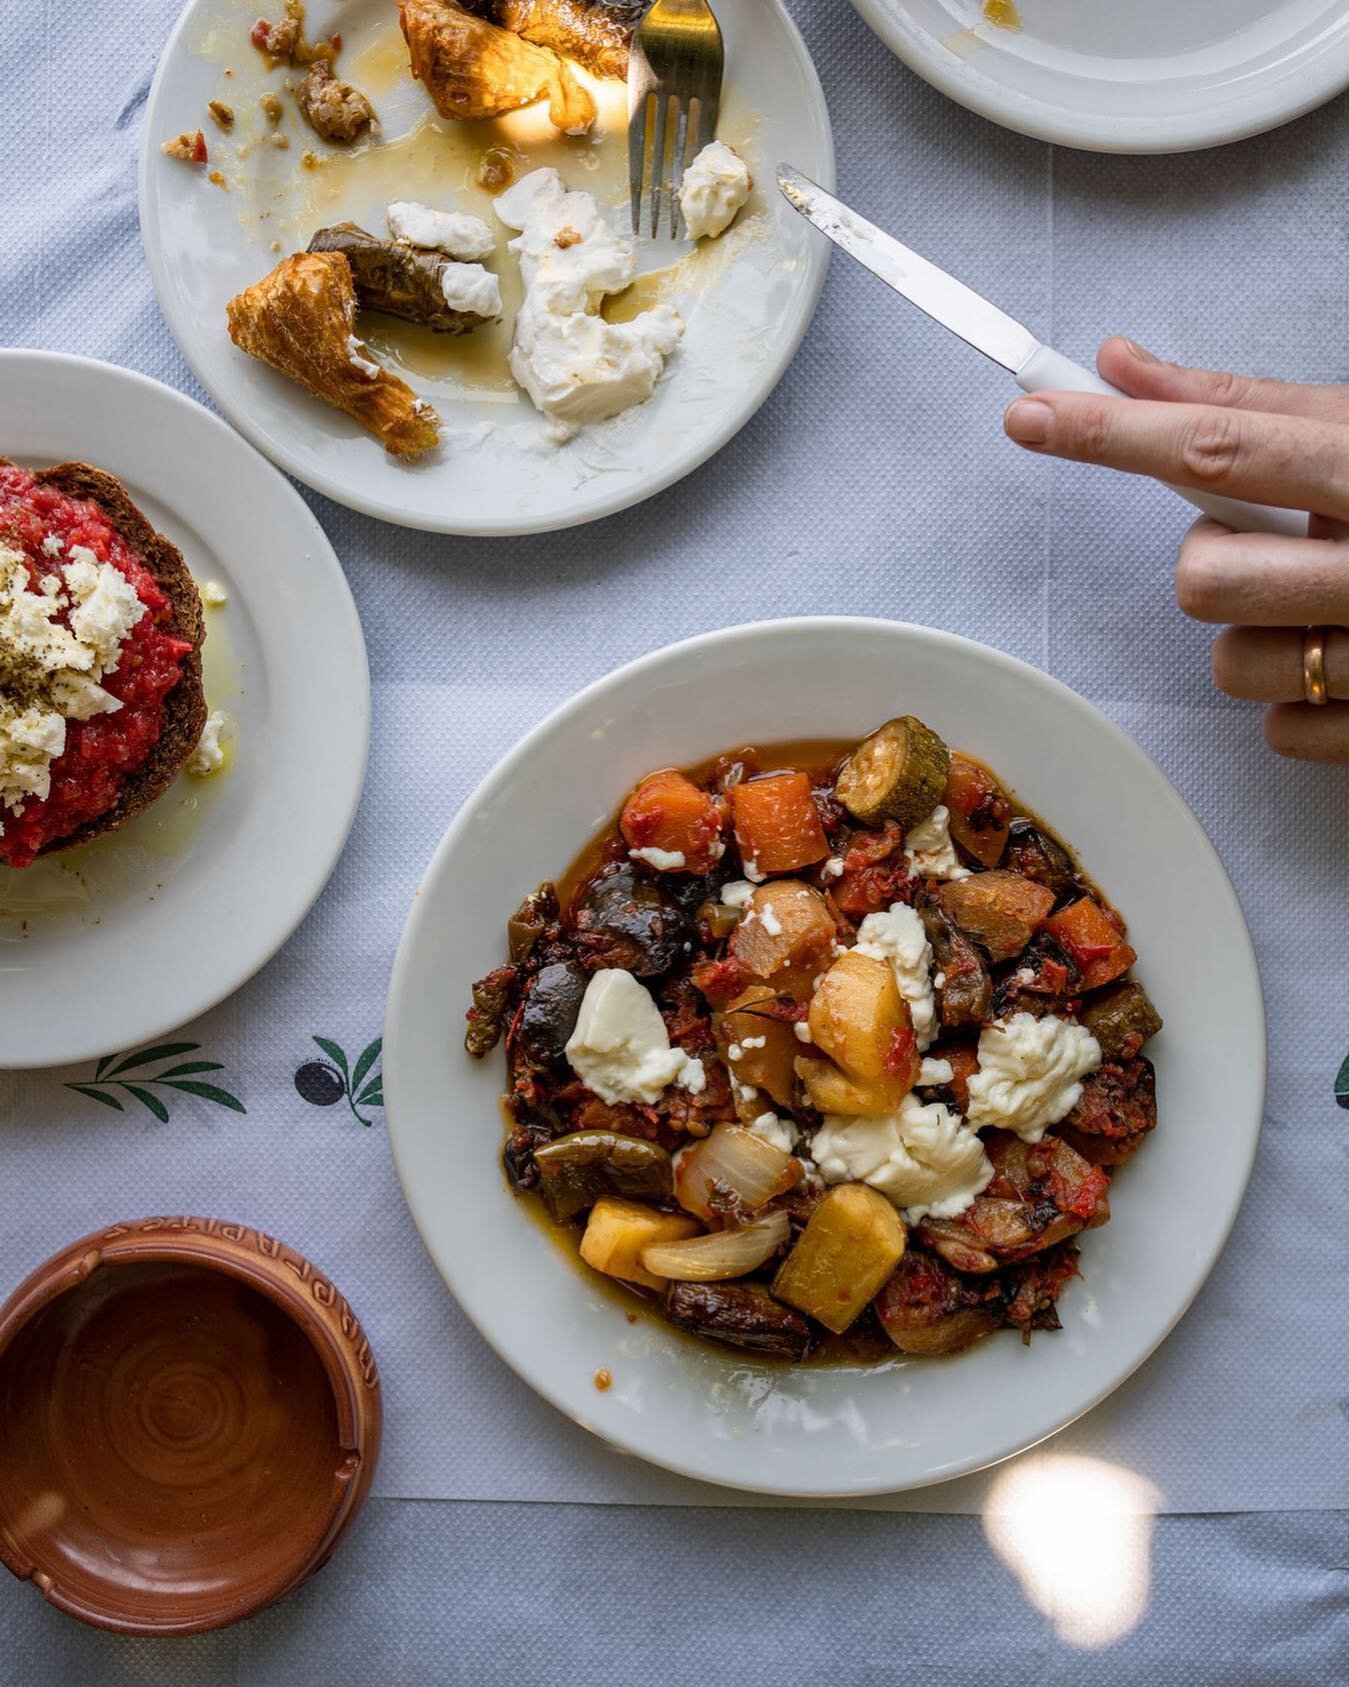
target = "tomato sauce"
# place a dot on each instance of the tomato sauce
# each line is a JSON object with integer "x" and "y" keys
{"x": 103, "y": 752}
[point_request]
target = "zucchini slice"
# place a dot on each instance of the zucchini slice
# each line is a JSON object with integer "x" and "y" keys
{"x": 898, "y": 773}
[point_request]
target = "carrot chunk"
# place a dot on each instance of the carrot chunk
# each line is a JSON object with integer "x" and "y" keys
{"x": 777, "y": 826}
{"x": 979, "y": 810}
{"x": 669, "y": 813}
{"x": 1094, "y": 940}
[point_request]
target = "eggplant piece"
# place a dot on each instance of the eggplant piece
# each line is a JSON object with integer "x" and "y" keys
{"x": 966, "y": 992}
{"x": 1053, "y": 981}
{"x": 576, "y": 1170}
{"x": 596, "y": 33}
{"x": 1041, "y": 1193}
{"x": 926, "y": 1308}
{"x": 739, "y": 1315}
{"x": 398, "y": 280}
{"x": 1031, "y": 1289}
{"x": 1035, "y": 855}
{"x": 1121, "y": 1019}
{"x": 550, "y": 1010}
{"x": 493, "y": 999}
{"x": 1117, "y": 1110}
{"x": 531, "y": 919}
{"x": 631, "y": 923}
{"x": 998, "y": 909}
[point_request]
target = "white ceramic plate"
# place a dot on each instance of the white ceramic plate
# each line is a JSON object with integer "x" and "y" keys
{"x": 747, "y": 299}
{"x": 828, "y": 1430}
{"x": 108, "y": 946}
{"x": 1147, "y": 76}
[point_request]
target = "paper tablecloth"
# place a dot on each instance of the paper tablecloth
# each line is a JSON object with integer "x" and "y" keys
{"x": 875, "y": 481}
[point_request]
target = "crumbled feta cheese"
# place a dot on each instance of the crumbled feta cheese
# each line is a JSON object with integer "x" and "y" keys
{"x": 929, "y": 850}
{"x": 663, "y": 860}
{"x": 577, "y": 367}
{"x": 106, "y": 607}
{"x": 60, "y": 665}
{"x": 209, "y": 755}
{"x": 832, "y": 868}
{"x": 735, "y": 1052}
{"x": 715, "y": 186}
{"x": 896, "y": 935}
{"x": 52, "y": 546}
{"x": 752, "y": 873}
{"x": 472, "y": 289}
{"x": 358, "y": 360}
{"x": 771, "y": 923}
{"x": 1025, "y": 975}
{"x": 932, "y": 1072}
{"x": 780, "y": 1132}
{"x": 455, "y": 233}
{"x": 802, "y": 1031}
{"x": 753, "y": 1042}
{"x": 1030, "y": 1073}
{"x": 737, "y": 893}
{"x": 923, "y": 1158}
{"x": 213, "y": 594}
{"x": 620, "y": 1048}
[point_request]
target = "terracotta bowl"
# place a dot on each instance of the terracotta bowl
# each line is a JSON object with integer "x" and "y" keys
{"x": 189, "y": 1421}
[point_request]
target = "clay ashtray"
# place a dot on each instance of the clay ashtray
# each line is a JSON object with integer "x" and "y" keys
{"x": 189, "y": 1421}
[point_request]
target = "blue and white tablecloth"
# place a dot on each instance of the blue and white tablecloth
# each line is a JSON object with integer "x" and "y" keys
{"x": 875, "y": 481}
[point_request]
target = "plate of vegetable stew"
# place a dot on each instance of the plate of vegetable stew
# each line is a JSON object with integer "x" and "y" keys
{"x": 824, "y": 1059}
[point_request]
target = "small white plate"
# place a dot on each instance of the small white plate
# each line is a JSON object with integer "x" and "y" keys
{"x": 747, "y": 299}
{"x": 827, "y": 1430}
{"x": 1146, "y": 76}
{"x": 110, "y": 945}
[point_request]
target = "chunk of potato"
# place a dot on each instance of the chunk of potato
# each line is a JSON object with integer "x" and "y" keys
{"x": 854, "y": 1240}
{"x": 832, "y": 1090}
{"x": 767, "y": 1047}
{"x": 786, "y": 936}
{"x": 619, "y": 1230}
{"x": 855, "y": 1013}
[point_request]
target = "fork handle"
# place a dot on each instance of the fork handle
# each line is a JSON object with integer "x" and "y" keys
{"x": 1050, "y": 371}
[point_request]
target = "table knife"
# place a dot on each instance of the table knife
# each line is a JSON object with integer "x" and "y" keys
{"x": 1035, "y": 367}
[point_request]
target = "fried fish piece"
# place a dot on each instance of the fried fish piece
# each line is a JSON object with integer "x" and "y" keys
{"x": 473, "y": 69}
{"x": 596, "y": 33}
{"x": 301, "y": 319}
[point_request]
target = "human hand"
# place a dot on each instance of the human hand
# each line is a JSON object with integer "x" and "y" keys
{"x": 1269, "y": 443}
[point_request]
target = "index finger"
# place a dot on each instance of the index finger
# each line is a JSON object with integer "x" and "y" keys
{"x": 1291, "y": 461}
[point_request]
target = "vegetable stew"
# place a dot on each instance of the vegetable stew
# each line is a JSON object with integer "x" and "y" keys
{"x": 823, "y": 1050}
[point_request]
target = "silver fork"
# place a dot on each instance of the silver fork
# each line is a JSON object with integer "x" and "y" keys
{"x": 674, "y": 70}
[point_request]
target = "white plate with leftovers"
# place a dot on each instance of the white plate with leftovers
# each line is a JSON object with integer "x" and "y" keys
{"x": 831, "y": 1099}
{"x": 1151, "y": 76}
{"x": 395, "y": 245}
{"x": 183, "y": 688}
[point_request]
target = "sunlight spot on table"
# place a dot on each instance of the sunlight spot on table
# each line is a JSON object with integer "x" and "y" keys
{"x": 1077, "y": 1534}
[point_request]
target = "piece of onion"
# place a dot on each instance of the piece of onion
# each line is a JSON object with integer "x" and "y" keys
{"x": 725, "y": 1253}
{"x": 750, "y": 1167}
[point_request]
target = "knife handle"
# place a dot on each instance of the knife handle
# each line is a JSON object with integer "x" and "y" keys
{"x": 1051, "y": 371}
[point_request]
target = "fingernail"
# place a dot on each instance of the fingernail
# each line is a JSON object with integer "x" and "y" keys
{"x": 1028, "y": 421}
{"x": 1135, "y": 350}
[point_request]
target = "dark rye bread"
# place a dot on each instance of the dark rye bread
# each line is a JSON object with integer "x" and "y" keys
{"x": 185, "y": 705}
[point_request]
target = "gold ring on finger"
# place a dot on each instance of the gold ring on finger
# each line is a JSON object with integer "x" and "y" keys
{"x": 1314, "y": 666}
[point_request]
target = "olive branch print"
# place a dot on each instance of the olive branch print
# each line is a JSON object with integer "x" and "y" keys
{"x": 1342, "y": 1084}
{"x": 185, "y": 1077}
{"x": 322, "y": 1082}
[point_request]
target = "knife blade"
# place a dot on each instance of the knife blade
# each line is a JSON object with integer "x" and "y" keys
{"x": 981, "y": 324}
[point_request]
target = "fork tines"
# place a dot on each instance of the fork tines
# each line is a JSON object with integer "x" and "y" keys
{"x": 674, "y": 95}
